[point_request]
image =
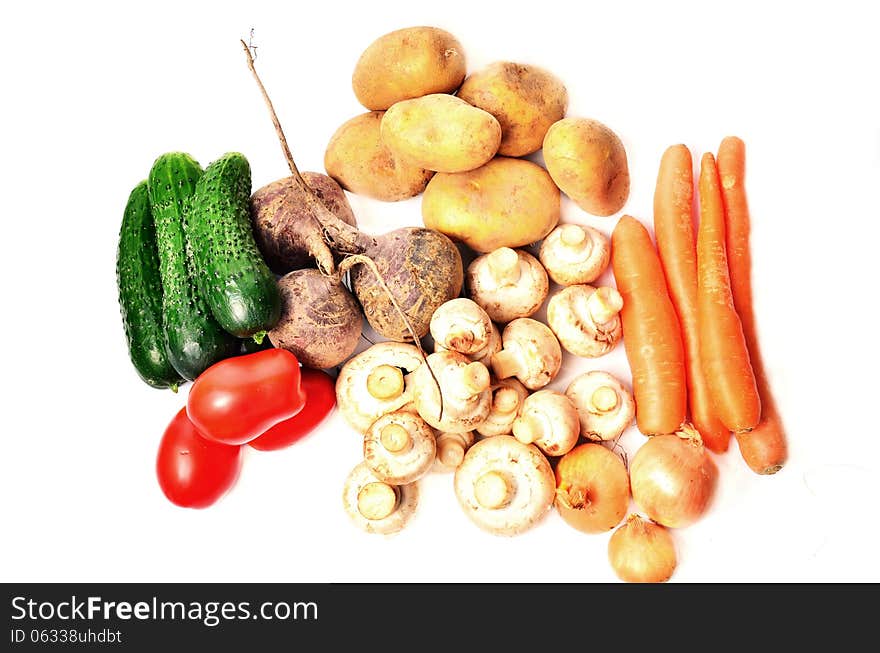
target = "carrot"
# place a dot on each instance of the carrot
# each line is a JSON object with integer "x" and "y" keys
{"x": 724, "y": 354}
{"x": 674, "y": 230}
{"x": 764, "y": 448}
{"x": 651, "y": 336}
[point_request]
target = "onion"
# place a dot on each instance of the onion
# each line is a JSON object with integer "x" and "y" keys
{"x": 673, "y": 478}
{"x": 642, "y": 552}
{"x": 592, "y": 488}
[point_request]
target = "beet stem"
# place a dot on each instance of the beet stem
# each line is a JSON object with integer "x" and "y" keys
{"x": 341, "y": 236}
{"x": 278, "y": 130}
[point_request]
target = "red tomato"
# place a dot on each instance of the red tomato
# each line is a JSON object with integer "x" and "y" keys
{"x": 320, "y": 390}
{"x": 239, "y": 398}
{"x": 193, "y": 471}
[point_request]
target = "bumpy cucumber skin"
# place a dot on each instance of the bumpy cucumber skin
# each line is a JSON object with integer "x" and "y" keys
{"x": 194, "y": 339}
{"x": 231, "y": 274}
{"x": 140, "y": 293}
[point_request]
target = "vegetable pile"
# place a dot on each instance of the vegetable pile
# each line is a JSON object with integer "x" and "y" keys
{"x": 260, "y": 299}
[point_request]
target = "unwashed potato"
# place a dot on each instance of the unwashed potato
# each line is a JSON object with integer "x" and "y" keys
{"x": 408, "y": 63}
{"x": 525, "y": 99}
{"x": 441, "y": 132}
{"x": 357, "y": 159}
{"x": 588, "y": 163}
{"x": 505, "y": 203}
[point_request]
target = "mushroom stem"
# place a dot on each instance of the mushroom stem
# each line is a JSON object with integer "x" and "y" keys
{"x": 492, "y": 490}
{"x": 506, "y": 401}
{"x": 377, "y": 500}
{"x": 472, "y": 378}
{"x": 529, "y": 428}
{"x": 503, "y": 265}
{"x": 603, "y": 399}
{"x": 507, "y": 363}
{"x": 575, "y": 240}
{"x": 395, "y": 438}
{"x": 604, "y": 304}
{"x": 451, "y": 448}
{"x": 385, "y": 382}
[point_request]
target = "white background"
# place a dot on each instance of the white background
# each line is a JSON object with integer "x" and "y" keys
{"x": 92, "y": 94}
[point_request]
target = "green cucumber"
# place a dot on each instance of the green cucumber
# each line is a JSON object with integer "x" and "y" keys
{"x": 194, "y": 339}
{"x": 140, "y": 293}
{"x": 231, "y": 274}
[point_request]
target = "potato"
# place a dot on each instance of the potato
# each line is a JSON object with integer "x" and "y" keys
{"x": 408, "y": 63}
{"x": 357, "y": 159}
{"x": 505, "y": 203}
{"x": 588, "y": 163}
{"x": 525, "y": 99}
{"x": 440, "y": 132}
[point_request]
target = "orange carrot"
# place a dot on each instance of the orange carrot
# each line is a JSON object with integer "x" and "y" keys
{"x": 674, "y": 230}
{"x": 651, "y": 336}
{"x": 764, "y": 448}
{"x": 724, "y": 354}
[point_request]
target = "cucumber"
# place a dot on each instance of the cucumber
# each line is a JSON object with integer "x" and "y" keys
{"x": 231, "y": 274}
{"x": 140, "y": 293}
{"x": 194, "y": 339}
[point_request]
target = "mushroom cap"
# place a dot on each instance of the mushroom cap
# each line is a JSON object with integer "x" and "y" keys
{"x": 550, "y": 421}
{"x": 391, "y": 505}
{"x": 493, "y": 346}
{"x": 399, "y": 447}
{"x": 465, "y": 386}
{"x": 519, "y": 294}
{"x": 534, "y": 349}
{"x": 605, "y": 407}
{"x": 484, "y": 355}
{"x": 508, "y": 396}
{"x": 461, "y": 325}
{"x": 569, "y": 316}
{"x": 571, "y": 257}
{"x": 358, "y": 406}
{"x": 504, "y": 486}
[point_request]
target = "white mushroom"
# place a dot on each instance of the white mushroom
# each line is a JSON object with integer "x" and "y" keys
{"x": 507, "y": 283}
{"x": 605, "y": 407}
{"x": 574, "y": 253}
{"x": 531, "y": 353}
{"x": 376, "y": 382}
{"x": 461, "y": 325}
{"x": 466, "y": 395}
{"x": 399, "y": 447}
{"x": 376, "y": 506}
{"x": 585, "y": 319}
{"x": 504, "y": 486}
{"x": 549, "y": 420}
{"x": 508, "y": 396}
{"x": 451, "y": 448}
